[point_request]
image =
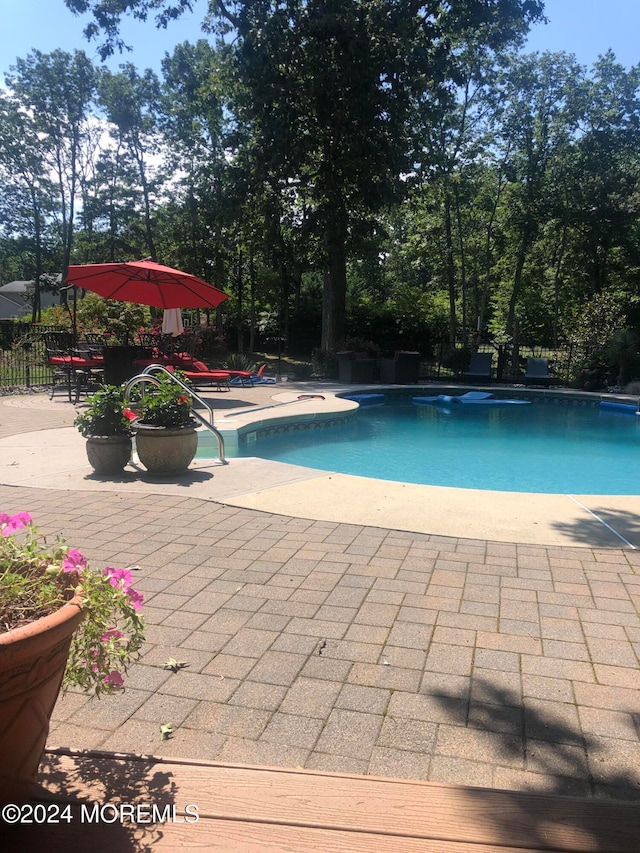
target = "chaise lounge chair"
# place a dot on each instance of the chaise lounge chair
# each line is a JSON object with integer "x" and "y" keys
{"x": 219, "y": 378}
{"x": 200, "y": 373}
{"x": 479, "y": 367}
{"x": 537, "y": 372}
{"x": 239, "y": 377}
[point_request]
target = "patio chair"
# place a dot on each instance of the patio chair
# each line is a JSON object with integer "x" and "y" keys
{"x": 148, "y": 340}
{"x": 209, "y": 377}
{"x": 479, "y": 367}
{"x": 260, "y": 379}
{"x": 200, "y": 373}
{"x": 537, "y": 372}
{"x": 71, "y": 367}
{"x": 239, "y": 377}
{"x": 60, "y": 370}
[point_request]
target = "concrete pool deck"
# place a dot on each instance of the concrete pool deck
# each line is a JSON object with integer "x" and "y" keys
{"x": 56, "y": 459}
{"x": 345, "y": 646}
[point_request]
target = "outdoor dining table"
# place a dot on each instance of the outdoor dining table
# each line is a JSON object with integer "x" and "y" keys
{"x": 119, "y": 362}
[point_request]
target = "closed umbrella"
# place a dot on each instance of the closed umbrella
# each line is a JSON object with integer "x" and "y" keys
{"x": 146, "y": 283}
{"x": 172, "y": 322}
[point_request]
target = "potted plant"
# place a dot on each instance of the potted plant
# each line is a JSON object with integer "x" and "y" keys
{"x": 61, "y": 624}
{"x": 106, "y": 424}
{"x": 165, "y": 431}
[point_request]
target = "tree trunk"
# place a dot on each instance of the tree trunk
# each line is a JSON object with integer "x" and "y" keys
{"x": 556, "y": 284}
{"x": 334, "y": 295}
{"x": 240, "y": 297}
{"x": 252, "y": 301}
{"x": 148, "y": 230}
{"x": 36, "y": 313}
{"x": 511, "y": 327}
{"x": 463, "y": 262}
{"x": 450, "y": 269}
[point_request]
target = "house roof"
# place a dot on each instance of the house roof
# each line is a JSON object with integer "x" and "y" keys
{"x": 19, "y": 287}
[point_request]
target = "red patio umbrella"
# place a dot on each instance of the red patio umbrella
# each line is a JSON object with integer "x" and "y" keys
{"x": 146, "y": 283}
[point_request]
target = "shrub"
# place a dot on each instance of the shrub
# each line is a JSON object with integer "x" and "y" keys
{"x": 105, "y": 414}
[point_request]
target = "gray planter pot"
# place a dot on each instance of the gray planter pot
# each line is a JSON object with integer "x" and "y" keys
{"x": 163, "y": 451}
{"x": 108, "y": 454}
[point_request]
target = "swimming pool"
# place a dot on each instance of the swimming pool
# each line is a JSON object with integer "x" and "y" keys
{"x": 543, "y": 447}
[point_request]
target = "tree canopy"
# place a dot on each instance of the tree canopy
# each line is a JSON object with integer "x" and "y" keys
{"x": 379, "y": 169}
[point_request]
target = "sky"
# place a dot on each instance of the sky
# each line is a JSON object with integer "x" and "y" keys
{"x": 586, "y": 28}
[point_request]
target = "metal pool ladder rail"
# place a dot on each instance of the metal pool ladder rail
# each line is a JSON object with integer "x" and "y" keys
{"x": 147, "y": 376}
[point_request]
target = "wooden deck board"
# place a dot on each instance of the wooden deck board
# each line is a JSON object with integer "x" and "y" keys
{"x": 227, "y": 836}
{"x": 246, "y": 809}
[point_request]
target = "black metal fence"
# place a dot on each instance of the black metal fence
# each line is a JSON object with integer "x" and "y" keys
{"x": 23, "y": 362}
{"x": 446, "y": 363}
{"x": 24, "y": 367}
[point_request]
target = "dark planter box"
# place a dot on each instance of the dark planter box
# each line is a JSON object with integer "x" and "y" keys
{"x": 351, "y": 369}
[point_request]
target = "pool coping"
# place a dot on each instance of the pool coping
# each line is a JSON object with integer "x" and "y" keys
{"x": 537, "y": 519}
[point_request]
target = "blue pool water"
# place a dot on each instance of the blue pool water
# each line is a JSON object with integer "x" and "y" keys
{"x": 534, "y": 448}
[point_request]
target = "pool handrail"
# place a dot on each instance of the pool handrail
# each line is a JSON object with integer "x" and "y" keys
{"x": 147, "y": 377}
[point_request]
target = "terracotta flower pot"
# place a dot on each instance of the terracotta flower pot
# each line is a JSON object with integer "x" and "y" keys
{"x": 32, "y": 664}
{"x": 108, "y": 454}
{"x": 164, "y": 451}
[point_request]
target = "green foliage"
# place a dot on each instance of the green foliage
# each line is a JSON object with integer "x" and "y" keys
{"x": 240, "y": 361}
{"x": 304, "y": 371}
{"x": 104, "y": 414}
{"x": 27, "y": 591}
{"x": 456, "y": 360}
{"x": 325, "y": 363}
{"x": 304, "y": 152}
{"x": 598, "y": 319}
{"x": 166, "y": 405}
{"x": 99, "y": 316}
{"x": 622, "y": 352}
{"x": 360, "y": 344}
{"x": 37, "y": 578}
{"x": 107, "y": 315}
{"x": 592, "y": 379}
{"x": 210, "y": 344}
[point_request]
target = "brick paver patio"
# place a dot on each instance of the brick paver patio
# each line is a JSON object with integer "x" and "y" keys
{"x": 348, "y": 648}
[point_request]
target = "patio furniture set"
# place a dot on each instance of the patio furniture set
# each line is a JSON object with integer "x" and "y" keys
{"x": 536, "y": 373}
{"x": 404, "y": 369}
{"x": 80, "y": 366}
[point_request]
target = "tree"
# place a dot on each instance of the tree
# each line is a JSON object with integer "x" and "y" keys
{"x": 58, "y": 90}
{"x": 538, "y": 116}
{"x": 604, "y": 176}
{"x": 131, "y": 104}
{"x": 331, "y": 87}
{"x": 28, "y": 197}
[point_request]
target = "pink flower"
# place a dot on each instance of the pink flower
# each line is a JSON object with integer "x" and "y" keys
{"x": 11, "y": 523}
{"x": 113, "y": 634}
{"x": 74, "y": 562}
{"x": 114, "y": 680}
{"x": 119, "y": 577}
{"x": 136, "y": 598}
{"x": 129, "y": 414}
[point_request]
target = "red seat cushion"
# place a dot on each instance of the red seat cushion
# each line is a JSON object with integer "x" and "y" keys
{"x": 75, "y": 361}
{"x": 195, "y": 375}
